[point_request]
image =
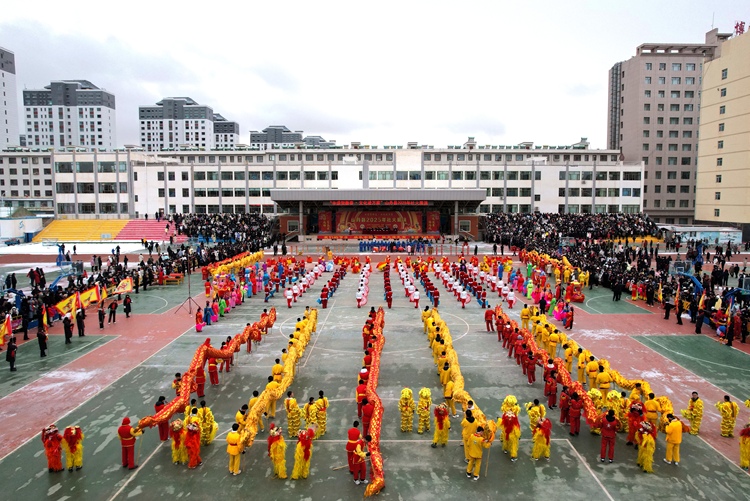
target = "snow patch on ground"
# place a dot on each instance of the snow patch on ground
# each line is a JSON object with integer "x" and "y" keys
{"x": 105, "y": 248}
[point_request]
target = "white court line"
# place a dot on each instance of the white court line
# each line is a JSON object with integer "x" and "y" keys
{"x": 166, "y": 303}
{"x": 722, "y": 455}
{"x": 591, "y": 307}
{"x": 131, "y": 477}
{"x": 599, "y": 482}
{"x": 71, "y": 351}
{"x": 695, "y": 358}
{"x": 319, "y": 330}
{"x": 98, "y": 392}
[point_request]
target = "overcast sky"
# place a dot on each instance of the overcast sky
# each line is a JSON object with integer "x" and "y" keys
{"x": 382, "y": 73}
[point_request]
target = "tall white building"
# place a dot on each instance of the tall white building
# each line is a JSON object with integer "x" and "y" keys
{"x": 70, "y": 113}
{"x": 180, "y": 122}
{"x": 8, "y": 107}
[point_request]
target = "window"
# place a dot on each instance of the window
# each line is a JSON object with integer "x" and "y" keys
{"x": 674, "y": 121}
{"x": 648, "y": 66}
{"x": 525, "y": 192}
{"x": 225, "y": 176}
{"x": 671, "y": 188}
{"x": 645, "y": 146}
{"x": 170, "y": 176}
{"x": 689, "y": 80}
{"x": 293, "y": 176}
{"x": 722, "y": 110}
{"x": 689, "y": 94}
{"x": 685, "y": 174}
{"x": 687, "y": 121}
{"x": 185, "y": 176}
{"x": 676, "y": 66}
{"x": 647, "y": 120}
{"x": 717, "y": 212}
{"x": 672, "y": 161}
{"x": 323, "y": 175}
{"x": 660, "y": 93}
{"x": 457, "y": 175}
{"x": 648, "y": 80}
{"x": 685, "y": 160}
{"x": 718, "y": 178}
{"x": 717, "y": 195}
{"x": 675, "y": 94}
{"x": 689, "y": 66}
{"x": 676, "y": 80}
{"x": 659, "y": 133}
{"x": 647, "y": 93}
{"x": 282, "y": 176}
{"x": 670, "y": 203}
{"x": 662, "y": 66}
{"x": 614, "y": 176}
{"x": 646, "y": 107}
{"x": 687, "y": 134}
{"x": 672, "y": 147}
{"x": 674, "y": 107}
{"x": 161, "y": 192}
{"x": 631, "y": 176}
{"x": 719, "y": 162}
{"x": 721, "y": 127}
{"x": 662, "y": 80}
{"x": 657, "y": 188}
{"x": 724, "y": 74}
{"x": 673, "y": 133}
{"x": 684, "y": 189}
{"x": 723, "y": 92}
{"x": 720, "y": 144}
{"x": 200, "y": 176}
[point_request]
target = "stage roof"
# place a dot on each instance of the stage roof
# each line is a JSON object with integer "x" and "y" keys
{"x": 468, "y": 199}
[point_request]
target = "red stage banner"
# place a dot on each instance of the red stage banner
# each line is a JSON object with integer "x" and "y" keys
{"x": 324, "y": 221}
{"x": 433, "y": 221}
{"x": 357, "y": 221}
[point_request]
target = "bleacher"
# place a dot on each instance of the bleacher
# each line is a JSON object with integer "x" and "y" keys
{"x": 81, "y": 230}
{"x": 135, "y": 229}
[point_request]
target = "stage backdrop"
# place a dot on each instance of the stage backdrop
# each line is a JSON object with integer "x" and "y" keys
{"x": 324, "y": 221}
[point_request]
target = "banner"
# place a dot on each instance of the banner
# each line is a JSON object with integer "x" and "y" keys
{"x": 69, "y": 305}
{"x": 433, "y": 221}
{"x": 125, "y": 286}
{"x": 324, "y": 221}
{"x": 90, "y": 296}
{"x": 5, "y": 330}
{"x": 397, "y": 221}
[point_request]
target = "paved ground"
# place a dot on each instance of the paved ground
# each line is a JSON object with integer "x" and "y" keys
{"x": 124, "y": 368}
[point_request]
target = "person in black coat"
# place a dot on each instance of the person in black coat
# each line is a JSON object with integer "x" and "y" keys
{"x": 102, "y": 315}
{"x": 112, "y": 312}
{"x": 10, "y": 355}
{"x": 41, "y": 336}
{"x": 126, "y": 305}
{"x": 68, "y": 327}
{"x": 80, "y": 323}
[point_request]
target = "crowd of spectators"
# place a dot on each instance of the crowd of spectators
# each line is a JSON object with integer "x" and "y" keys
{"x": 253, "y": 228}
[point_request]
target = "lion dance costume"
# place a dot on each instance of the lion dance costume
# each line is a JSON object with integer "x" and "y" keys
{"x": 423, "y": 410}
{"x": 745, "y": 447}
{"x": 511, "y": 433}
{"x": 407, "y": 407}
{"x": 208, "y": 425}
{"x": 193, "y": 444}
{"x": 303, "y": 454}
{"x": 729, "y": 412}
{"x": 277, "y": 451}
{"x": 321, "y": 416}
{"x": 542, "y": 436}
{"x": 179, "y": 451}
{"x": 535, "y": 412}
{"x": 598, "y": 401}
{"x": 442, "y": 426}
{"x": 52, "y": 448}
{"x": 293, "y": 416}
{"x": 72, "y": 444}
{"x": 646, "y": 437}
{"x": 694, "y": 414}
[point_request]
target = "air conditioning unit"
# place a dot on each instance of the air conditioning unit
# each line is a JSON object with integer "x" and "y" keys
{"x": 584, "y": 182}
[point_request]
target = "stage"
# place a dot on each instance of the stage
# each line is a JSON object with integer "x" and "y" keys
{"x": 380, "y": 236}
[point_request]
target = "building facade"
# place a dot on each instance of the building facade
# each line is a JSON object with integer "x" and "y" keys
{"x": 26, "y": 182}
{"x": 9, "y": 135}
{"x": 654, "y": 104}
{"x": 70, "y": 113}
{"x": 275, "y": 137}
{"x": 723, "y": 184}
{"x": 179, "y": 122}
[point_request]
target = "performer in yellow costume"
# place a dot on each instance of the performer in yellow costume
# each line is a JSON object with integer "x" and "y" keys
{"x": 423, "y": 410}
{"x": 303, "y": 453}
{"x": 233, "y": 449}
{"x": 474, "y": 445}
{"x": 277, "y": 451}
{"x": 310, "y": 413}
{"x": 510, "y": 433}
{"x": 536, "y": 411}
{"x": 293, "y": 414}
{"x": 179, "y": 451}
{"x": 646, "y": 437}
{"x": 542, "y": 434}
{"x": 321, "y": 416}
{"x": 442, "y": 426}
{"x": 729, "y": 411}
{"x": 72, "y": 444}
{"x": 208, "y": 424}
{"x": 694, "y": 413}
{"x": 407, "y": 407}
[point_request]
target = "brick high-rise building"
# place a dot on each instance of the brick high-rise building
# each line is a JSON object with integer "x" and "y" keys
{"x": 654, "y": 103}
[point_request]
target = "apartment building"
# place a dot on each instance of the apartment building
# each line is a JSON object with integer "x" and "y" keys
{"x": 8, "y": 106}
{"x": 654, "y": 106}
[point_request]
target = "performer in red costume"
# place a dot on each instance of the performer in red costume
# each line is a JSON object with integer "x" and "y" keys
{"x": 127, "y": 435}
{"x": 193, "y": 444}
{"x": 575, "y": 414}
{"x": 163, "y": 427}
{"x": 550, "y": 390}
{"x": 361, "y": 393}
{"x": 200, "y": 381}
{"x": 489, "y": 317}
{"x": 213, "y": 371}
{"x": 635, "y": 416}
{"x": 353, "y": 437}
{"x": 52, "y": 439}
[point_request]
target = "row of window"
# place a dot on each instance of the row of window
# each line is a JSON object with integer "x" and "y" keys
{"x": 670, "y": 189}
{"x": 27, "y": 193}
{"x": 672, "y": 107}
{"x": 684, "y": 204}
{"x": 675, "y": 81}
{"x": 88, "y": 167}
{"x": 25, "y": 172}
{"x": 26, "y": 182}
{"x": 89, "y": 187}
{"x": 673, "y": 134}
{"x": 675, "y": 66}
{"x": 90, "y": 208}
{"x": 24, "y": 160}
{"x": 599, "y": 192}
{"x": 672, "y": 121}
{"x": 688, "y": 94}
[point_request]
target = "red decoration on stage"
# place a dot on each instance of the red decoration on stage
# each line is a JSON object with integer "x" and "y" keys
{"x": 400, "y": 221}
{"x": 433, "y": 221}
{"x": 325, "y": 222}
